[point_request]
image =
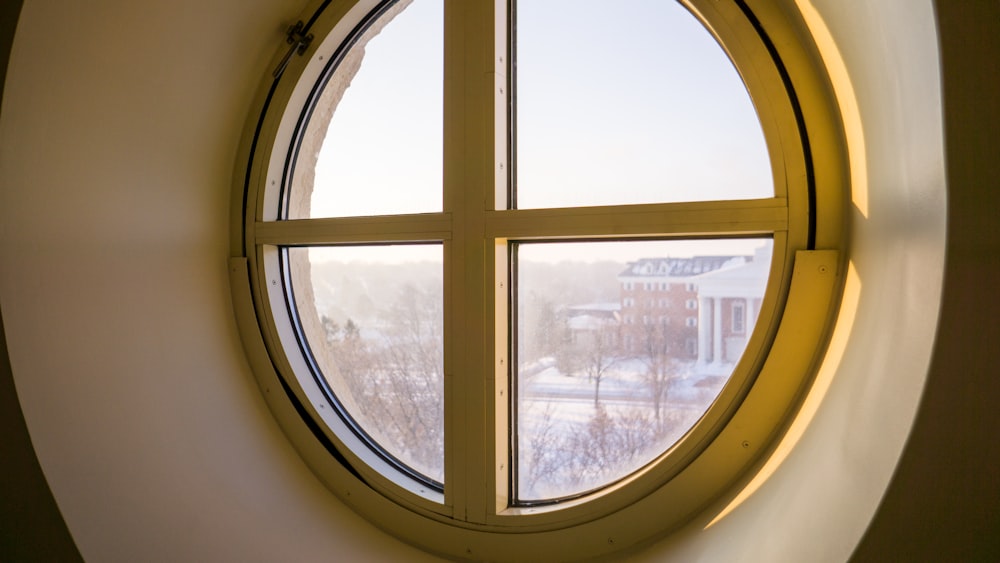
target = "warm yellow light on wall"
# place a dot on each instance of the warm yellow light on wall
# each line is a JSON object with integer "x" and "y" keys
{"x": 813, "y": 399}
{"x": 847, "y": 101}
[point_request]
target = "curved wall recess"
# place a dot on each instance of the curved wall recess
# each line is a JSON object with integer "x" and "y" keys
{"x": 440, "y": 497}
{"x": 154, "y": 452}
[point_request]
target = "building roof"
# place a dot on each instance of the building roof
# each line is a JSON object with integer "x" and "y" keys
{"x": 608, "y": 307}
{"x": 747, "y": 279}
{"x": 680, "y": 267}
{"x": 593, "y": 311}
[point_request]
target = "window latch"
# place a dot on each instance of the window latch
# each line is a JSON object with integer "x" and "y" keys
{"x": 299, "y": 41}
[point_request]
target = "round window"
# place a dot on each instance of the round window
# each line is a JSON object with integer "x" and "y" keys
{"x": 527, "y": 272}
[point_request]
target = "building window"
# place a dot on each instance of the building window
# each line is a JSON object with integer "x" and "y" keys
{"x": 739, "y": 317}
{"x": 691, "y": 287}
{"x": 424, "y": 247}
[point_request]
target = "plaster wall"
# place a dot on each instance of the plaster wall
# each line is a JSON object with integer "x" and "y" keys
{"x": 118, "y": 133}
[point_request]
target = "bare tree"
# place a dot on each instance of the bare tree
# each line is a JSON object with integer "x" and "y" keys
{"x": 540, "y": 453}
{"x": 394, "y": 377}
{"x": 658, "y": 344}
{"x": 610, "y": 446}
{"x": 599, "y": 352}
{"x": 540, "y": 330}
{"x": 410, "y": 365}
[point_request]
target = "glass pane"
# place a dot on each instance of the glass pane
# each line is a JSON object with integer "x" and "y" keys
{"x": 621, "y": 348}
{"x": 373, "y": 319}
{"x": 373, "y": 143}
{"x": 630, "y": 102}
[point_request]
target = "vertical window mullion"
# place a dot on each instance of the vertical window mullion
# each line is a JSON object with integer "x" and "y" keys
{"x": 501, "y": 389}
{"x": 472, "y": 168}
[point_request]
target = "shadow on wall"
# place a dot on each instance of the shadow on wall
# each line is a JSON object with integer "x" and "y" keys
{"x": 31, "y": 528}
{"x": 942, "y": 502}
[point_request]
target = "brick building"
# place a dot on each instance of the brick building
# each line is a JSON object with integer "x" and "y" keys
{"x": 660, "y": 302}
{"x": 700, "y": 309}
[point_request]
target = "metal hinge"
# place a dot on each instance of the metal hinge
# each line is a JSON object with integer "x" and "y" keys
{"x": 299, "y": 41}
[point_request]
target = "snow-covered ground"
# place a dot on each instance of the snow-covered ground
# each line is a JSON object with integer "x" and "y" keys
{"x": 624, "y": 381}
{"x": 567, "y": 445}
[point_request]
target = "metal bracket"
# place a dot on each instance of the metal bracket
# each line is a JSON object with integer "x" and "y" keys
{"x": 299, "y": 41}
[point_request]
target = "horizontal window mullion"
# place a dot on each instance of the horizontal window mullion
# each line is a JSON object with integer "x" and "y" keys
{"x": 693, "y": 219}
{"x": 353, "y": 230}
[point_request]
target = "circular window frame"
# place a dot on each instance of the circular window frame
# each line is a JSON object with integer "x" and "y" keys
{"x": 800, "y": 126}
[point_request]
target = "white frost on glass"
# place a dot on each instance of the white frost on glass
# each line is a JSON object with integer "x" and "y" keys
{"x": 382, "y": 151}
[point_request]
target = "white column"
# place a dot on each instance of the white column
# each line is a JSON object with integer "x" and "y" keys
{"x": 717, "y": 330}
{"x": 704, "y": 336}
{"x": 750, "y": 315}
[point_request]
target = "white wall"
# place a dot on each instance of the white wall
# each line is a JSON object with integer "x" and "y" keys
{"x": 120, "y": 126}
{"x": 118, "y": 136}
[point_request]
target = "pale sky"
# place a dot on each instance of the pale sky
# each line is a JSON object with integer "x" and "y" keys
{"x": 624, "y": 102}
